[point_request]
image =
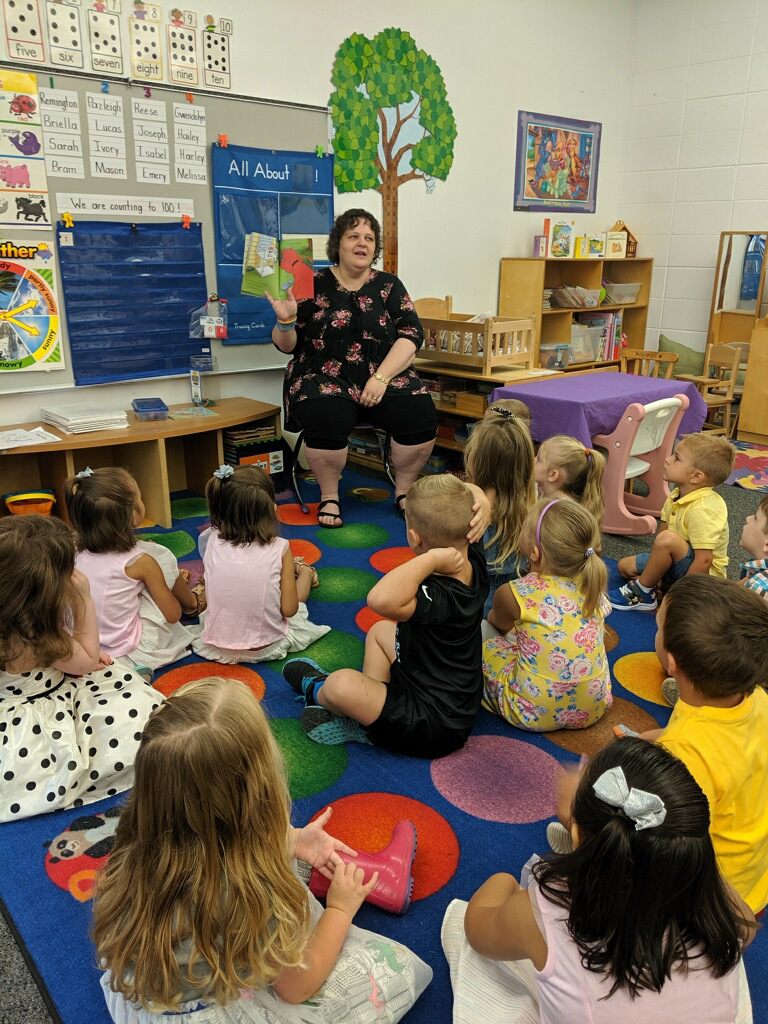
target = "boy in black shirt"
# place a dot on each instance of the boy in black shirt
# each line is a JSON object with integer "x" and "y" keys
{"x": 422, "y": 679}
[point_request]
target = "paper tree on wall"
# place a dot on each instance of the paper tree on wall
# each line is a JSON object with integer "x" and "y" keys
{"x": 392, "y": 121}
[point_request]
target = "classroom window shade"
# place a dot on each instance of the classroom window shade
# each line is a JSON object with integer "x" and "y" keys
{"x": 129, "y": 290}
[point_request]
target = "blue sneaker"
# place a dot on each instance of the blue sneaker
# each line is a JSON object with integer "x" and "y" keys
{"x": 304, "y": 676}
{"x": 323, "y": 726}
{"x": 632, "y": 595}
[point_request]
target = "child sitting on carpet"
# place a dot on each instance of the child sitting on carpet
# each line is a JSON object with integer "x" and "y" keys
{"x": 137, "y": 589}
{"x": 550, "y": 670}
{"x": 422, "y": 680}
{"x": 636, "y": 924}
{"x": 498, "y": 458}
{"x": 199, "y": 914}
{"x": 693, "y": 533}
{"x": 70, "y": 721}
{"x": 711, "y": 637}
{"x": 754, "y": 540}
{"x": 256, "y": 591}
{"x": 564, "y": 467}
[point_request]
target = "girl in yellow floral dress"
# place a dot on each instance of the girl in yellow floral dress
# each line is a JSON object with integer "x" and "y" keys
{"x": 548, "y": 669}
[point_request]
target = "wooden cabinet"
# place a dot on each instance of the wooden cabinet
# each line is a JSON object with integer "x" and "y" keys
{"x": 753, "y": 413}
{"x": 521, "y": 289}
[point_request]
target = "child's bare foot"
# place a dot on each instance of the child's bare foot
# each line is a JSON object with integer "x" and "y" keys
{"x": 198, "y": 592}
{"x": 299, "y": 564}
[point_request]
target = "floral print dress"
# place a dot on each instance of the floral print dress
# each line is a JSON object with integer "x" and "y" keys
{"x": 550, "y": 671}
{"x": 344, "y": 336}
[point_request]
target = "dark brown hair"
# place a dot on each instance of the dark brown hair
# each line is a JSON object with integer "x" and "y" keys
{"x": 37, "y": 558}
{"x": 101, "y": 507}
{"x": 642, "y": 903}
{"x": 243, "y": 506}
{"x": 715, "y": 630}
{"x": 343, "y": 223}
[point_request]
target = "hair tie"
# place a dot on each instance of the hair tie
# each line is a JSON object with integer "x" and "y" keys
{"x": 506, "y": 413}
{"x": 588, "y": 552}
{"x": 647, "y": 810}
{"x": 84, "y": 473}
{"x": 543, "y": 513}
{"x": 223, "y": 472}
{"x": 588, "y": 453}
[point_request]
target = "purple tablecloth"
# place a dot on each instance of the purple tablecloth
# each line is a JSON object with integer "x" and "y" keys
{"x": 592, "y": 403}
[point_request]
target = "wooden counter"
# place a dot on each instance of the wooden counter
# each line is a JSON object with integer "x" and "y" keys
{"x": 161, "y": 455}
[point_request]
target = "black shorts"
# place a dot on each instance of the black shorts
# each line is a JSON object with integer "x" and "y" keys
{"x": 406, "y": 726}
{"x": 328, "y": 422}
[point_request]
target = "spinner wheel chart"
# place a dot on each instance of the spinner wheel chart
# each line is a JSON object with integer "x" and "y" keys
{"x": 29, "y": 317}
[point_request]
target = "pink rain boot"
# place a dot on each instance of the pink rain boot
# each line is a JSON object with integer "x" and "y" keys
{"x": 394, "y": 887}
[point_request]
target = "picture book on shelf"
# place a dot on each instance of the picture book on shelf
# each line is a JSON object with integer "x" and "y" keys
{"x": 272, "y": 266}
{"x": 610, "y": 325}
{"x": 590, "y": 247}
{"x": 561, "y": 238}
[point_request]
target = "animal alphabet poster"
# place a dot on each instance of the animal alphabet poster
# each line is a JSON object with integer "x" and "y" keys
{"x": 23, "y": 181}
{"x": 30, "y": 338}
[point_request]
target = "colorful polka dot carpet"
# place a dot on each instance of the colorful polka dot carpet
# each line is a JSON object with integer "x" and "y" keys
{"x": 481, "y": 810}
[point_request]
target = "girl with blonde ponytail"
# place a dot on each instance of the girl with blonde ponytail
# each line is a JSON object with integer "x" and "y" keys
{"x": 548, "y": 668}
{"x": 565, "y": 467}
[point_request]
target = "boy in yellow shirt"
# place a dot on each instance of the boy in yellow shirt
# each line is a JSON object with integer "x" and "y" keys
{"x": 693, "y": 534}
{"x": 712, "y": 636}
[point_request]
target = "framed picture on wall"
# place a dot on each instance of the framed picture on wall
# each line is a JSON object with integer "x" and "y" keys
{"x": 556, "y": 164}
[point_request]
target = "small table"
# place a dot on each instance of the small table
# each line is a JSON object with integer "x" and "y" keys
{"x": 593, "y": 403}
{"x": 161, "y": 455}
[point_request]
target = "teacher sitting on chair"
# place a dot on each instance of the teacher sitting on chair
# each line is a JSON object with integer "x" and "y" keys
{"x": 352, "y": 345}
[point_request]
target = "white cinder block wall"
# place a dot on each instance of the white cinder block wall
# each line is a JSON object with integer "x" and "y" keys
{"x": 696, "y": 148}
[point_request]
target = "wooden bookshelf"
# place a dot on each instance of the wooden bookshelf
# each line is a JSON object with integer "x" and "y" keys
{"x": 521, "y": 290}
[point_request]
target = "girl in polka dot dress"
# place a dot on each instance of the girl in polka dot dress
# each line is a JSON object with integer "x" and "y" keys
{"x": 136, "y": 585}
{"x": 70, "y": 721}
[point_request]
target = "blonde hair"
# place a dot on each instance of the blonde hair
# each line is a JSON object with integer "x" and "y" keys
{"x": 499, "y": 455}
{"x": 568, "y": 537}
{"x": 439, "y": 508}
{"x": 513, "y": 407}
{"x": 710, "y": 454}
{"x": 202, "y": 857}
{"x": 582, "y": 470}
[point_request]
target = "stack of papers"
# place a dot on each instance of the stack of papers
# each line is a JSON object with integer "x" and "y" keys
{"x": 84, "y": 417}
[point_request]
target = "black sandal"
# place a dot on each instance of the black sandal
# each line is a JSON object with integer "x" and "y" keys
{"x": 335, "y": 515}
{"x": 399, "y": 505}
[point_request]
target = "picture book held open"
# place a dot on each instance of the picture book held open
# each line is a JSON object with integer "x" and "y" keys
{"x": 271, "y": 267}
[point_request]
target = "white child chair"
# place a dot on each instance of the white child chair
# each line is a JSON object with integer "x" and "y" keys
{"x": 648, "y": 431}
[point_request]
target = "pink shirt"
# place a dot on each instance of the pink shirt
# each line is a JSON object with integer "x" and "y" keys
{"x": 242, "y": 587}
{"x": 115, "y": 596}
{"x": 570, "y": 994}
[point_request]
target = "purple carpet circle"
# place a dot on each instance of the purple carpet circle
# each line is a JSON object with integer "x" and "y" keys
{"x": 498, "y": 778}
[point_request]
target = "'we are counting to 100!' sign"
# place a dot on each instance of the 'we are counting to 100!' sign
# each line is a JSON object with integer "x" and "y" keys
{"x": 120, "y": 206}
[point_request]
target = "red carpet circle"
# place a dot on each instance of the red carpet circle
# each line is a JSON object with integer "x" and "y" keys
{"x": 170, "y": 681}
{"x": 365, "y": 821}
{"x": 390, "y": 558}
{"x": 366, "y": 617}
{"x": 473, "y": 779}
{"x": 290, "y": 513}
{"x": 306, "y": 549}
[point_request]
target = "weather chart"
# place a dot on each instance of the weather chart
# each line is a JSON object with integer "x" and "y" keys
{"x": 29, "y": 308}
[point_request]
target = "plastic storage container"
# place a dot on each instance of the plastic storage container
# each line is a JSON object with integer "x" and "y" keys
{"x": 585, "y": 344}
{"x": 618, "y": 294}
{"x": 25, "y": 503}
{"x": 150, "y": 409}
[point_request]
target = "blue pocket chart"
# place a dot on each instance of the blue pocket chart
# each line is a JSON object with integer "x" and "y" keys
{"x": 129, "y": 290}
{"x": 275, "y": 192}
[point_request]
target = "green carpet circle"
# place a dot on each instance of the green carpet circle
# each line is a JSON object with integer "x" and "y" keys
{"x": 334, "y": 650}
{"x": 354, "y": 535}
{"x": 310, "y": 767}
{"x": 339, "y": 584}
{"x": 185, "y": 508}
{"x": 178, "y": 542}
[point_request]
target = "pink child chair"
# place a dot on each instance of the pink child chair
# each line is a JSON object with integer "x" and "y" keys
{"x": 648, "y": 431}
